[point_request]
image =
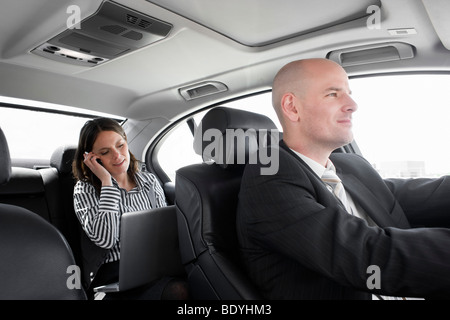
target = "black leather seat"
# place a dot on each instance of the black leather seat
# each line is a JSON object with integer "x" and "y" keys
{"x": 206, "y": 198}
{"x": 36, "y": 260}
{"x": 61, "y": 160}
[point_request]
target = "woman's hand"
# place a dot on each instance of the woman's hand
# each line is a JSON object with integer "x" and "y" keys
{"x": 90, "y": 160}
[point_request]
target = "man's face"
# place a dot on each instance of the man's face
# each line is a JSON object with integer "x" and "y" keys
{"x": 326, "y": 107}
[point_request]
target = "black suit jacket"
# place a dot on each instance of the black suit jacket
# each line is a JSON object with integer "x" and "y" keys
{"x": 298, "y": 242}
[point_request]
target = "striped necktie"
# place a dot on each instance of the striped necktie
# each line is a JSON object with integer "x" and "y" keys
{"x": 335, "y": 185}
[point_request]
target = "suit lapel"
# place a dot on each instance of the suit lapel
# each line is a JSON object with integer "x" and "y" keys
{"x": 362, "y": 195}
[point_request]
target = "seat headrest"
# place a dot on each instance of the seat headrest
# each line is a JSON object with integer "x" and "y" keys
{"x": 5, "y": 159}
{"x": 230, "y": 136}
{"x": 62, "y": 158}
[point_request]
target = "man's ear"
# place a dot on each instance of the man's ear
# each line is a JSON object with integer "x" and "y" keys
{"x": 289, "y": 106}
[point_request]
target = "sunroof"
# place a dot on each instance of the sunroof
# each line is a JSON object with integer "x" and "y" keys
{"x": 261, "y": 22}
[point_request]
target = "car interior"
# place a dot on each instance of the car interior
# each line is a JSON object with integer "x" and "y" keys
{"x": 155, "y": 65}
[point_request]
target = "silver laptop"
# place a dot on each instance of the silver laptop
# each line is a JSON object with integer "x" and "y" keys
{"x": 149, "y": 248}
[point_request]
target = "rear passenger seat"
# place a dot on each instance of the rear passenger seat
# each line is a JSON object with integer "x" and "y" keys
{"x": 26, "y": 189}
{"x": 48, "y": 193}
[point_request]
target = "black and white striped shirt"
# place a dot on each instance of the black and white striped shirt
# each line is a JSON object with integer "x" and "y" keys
{"x": 100, "y": 216}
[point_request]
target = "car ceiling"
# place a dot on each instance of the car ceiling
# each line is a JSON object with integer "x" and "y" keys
{"x": 235, "y": 46}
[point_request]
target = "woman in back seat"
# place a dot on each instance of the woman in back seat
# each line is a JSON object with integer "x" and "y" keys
{"x": 110, "y": 183}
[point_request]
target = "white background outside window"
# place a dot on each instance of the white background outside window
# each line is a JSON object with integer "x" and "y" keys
{"x": 402, "y": 125}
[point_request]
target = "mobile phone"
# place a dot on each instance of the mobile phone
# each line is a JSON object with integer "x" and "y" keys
{"x": 99, "y": 161}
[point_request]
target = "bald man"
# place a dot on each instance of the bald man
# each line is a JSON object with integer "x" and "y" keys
{"x": 300, "y": 240}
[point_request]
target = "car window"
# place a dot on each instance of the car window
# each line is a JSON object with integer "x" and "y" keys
{"x": 177, "y": 149}
{"x": 400, "y": 127}
{"x": 33, "y": 131}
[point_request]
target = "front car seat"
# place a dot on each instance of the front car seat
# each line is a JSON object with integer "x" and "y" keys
{"x": 62, "y": 159}
{"x": 36, "y": 261}
{"x": 206, "y": 198}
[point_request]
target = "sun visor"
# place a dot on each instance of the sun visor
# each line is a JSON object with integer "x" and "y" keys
{"x": 438, "y": 11}
{"x": 259, "y": 23}
{"x": 113, "y": 31}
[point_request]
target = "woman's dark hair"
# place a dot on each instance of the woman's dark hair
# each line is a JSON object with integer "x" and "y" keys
{"x": 88, "y": 135}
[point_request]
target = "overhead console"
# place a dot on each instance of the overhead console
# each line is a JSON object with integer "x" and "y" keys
{"x": 112, "y": 31}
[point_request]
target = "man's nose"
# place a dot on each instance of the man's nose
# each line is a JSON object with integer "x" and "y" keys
{"x": 350, "y": 104}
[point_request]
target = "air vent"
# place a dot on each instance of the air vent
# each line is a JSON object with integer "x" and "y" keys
{"x": 142, "y": 23}
{"x": 124, "y": 32}
{"x": 202, "y": 89}
{"x": 132, "y": 19}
